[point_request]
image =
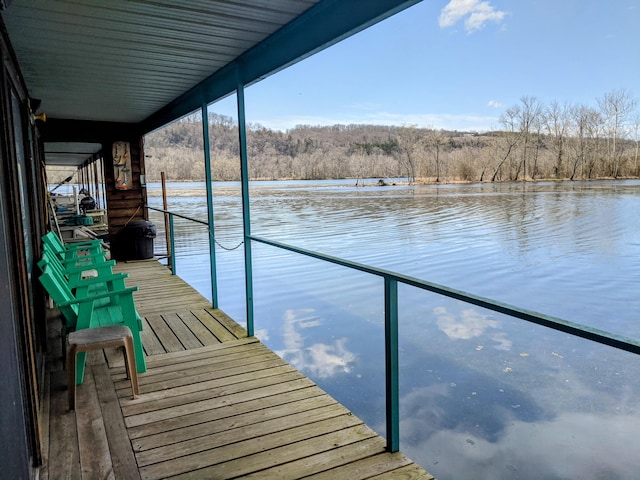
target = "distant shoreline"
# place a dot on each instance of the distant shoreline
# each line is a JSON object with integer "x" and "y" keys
{"x": 374, "y": 182}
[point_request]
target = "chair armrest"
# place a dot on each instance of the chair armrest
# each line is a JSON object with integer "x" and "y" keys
{"x": 91, "y": 298}
{"x": 89, "y": 266}
{"x": 82, "y": 244}
{"x": 96, "y": 280}
{"x": 83, "y": 257}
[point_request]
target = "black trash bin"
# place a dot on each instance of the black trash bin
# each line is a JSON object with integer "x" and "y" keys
{"x": 135, "y": 241}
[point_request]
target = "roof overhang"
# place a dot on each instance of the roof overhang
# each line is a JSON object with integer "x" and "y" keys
{"x": 145, "y": 64}
{"x": 68, "y": 154}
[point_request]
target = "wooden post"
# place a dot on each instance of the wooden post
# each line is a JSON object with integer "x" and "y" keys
{"x": 166, "y": 219}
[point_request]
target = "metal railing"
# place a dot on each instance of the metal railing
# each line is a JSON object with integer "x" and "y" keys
{"x": 391, "y": 281}
{"x": 171, "y": 247}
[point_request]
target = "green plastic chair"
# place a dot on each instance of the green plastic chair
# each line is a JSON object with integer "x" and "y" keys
{"x": 115, "y": 307}
{"x": 68, "y": 251}
{"x": 77, "y": 270}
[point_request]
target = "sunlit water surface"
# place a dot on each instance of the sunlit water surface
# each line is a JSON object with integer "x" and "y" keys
{"x": 482, "y": 395}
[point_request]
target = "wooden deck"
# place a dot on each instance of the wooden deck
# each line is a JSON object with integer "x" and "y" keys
{"x": 213, "y": 404}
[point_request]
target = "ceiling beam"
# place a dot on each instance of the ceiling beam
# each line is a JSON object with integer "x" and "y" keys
{"x": 321, "y": 26}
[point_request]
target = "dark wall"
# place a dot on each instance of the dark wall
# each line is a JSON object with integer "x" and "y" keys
{"x": 22, "y": 319}
{"x": 14, "y": 450}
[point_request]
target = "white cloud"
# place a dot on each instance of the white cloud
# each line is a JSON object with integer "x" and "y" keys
{"x": 495, "y": 104}
{"x": 475, "y": 12}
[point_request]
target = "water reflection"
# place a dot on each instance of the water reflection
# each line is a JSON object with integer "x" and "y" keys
{"x": 471, "y": 324}
{"x": 319, "y": 360}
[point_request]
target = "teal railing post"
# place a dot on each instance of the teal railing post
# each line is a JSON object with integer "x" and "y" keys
{"x": 391, "y": 363}
{"x": 208, "y": 180}
{"x": 246, "y": 217}
{"x": 172, "y": 245}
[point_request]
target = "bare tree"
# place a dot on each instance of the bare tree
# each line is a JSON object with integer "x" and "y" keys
{"x": 636, "y": 136}
{"x": 557, "y": 121}
{"x": 509, "y": 138}
{"x": 436, "y": 141}
{"x": 528, "y": 115}
{"x": 616, "y": 106}
{"x": 410, "y": 148}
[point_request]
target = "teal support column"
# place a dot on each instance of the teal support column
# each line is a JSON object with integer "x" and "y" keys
{"x": 208, "y": 180}
{"x": 246, "y": 217}
{"x": 391, "y": 363}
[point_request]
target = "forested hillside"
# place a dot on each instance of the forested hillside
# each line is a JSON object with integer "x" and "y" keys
{"x": 535, "y": 141}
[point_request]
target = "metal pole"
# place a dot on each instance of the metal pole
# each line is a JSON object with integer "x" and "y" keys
{"x": 167, "y": 235}
{"x": 207, "y": 174}
{"x": 172, "y": 244}
{"x": 391, "y": 363}
{"x": 246, "y": 217}
{"x": 95, "y": 181}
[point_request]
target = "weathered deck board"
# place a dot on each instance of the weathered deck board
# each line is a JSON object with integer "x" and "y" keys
{"x": 213, "y": 404}
{"x": 95, "y": 458}
{"x": 123, "y": 459}
{"x": 64, "y": 454}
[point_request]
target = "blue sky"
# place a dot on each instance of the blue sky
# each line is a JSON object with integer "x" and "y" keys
{"x": 458, "y": 64}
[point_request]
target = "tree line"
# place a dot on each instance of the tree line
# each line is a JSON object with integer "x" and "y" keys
{"x": 534, "y": 141}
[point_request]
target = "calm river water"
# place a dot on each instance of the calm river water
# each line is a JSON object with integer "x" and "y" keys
{"x": 482, "y": 395}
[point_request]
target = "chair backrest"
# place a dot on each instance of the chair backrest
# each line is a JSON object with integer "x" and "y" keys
{"x": 58, "y": 289}
{"x": 52, "y": 241}
{"x": 50, "y": 259}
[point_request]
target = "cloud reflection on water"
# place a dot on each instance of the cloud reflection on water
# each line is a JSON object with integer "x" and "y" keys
{"x": 571, "y": 446}
{"x": 471, "y": 324}
{"x": 320, "y": 360}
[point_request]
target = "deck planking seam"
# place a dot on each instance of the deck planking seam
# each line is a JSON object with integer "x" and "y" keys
{"x": 64, "y": 453}
{"x": 184, "y": 334}
{"x": 189, "y": 385}
{"x": 260, "y": 455}
{"x": 234, "y": 419}
{"x": 323, "y": 461}
{"x": 218, "y": 329}
{"x": 216, "y": 402}
{"x": 171, "y": 357}
{"x": 195, "y": 394}
{"x": 95, "y": 456}
{"x": 165, "y": 335}
{"x": 271, "y": 449}
{"x": 123, "y": 458}
{"x": 199, "y": 329}
{"x": 226, "y": 411}
{"x": 365, "y": 468}
{"x": 207, "y": 361}
{"x": 196, "y": 374}
{"x": 237, "y": 435}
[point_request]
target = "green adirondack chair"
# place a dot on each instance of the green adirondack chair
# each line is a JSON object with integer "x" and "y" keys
{"x": 73, "y": 250}
{"x": 76, "y": 271}
{"x": 115, "y": 307}
{"x": 104, "y": 279}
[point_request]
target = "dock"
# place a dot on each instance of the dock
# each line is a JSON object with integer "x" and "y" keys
{"x": 213, "y": 403}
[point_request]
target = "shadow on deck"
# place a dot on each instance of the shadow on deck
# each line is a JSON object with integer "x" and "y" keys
{"x": 214, "y": 403}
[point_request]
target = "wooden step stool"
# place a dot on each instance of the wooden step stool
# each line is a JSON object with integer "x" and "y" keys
{"x": 98, "y": 339}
